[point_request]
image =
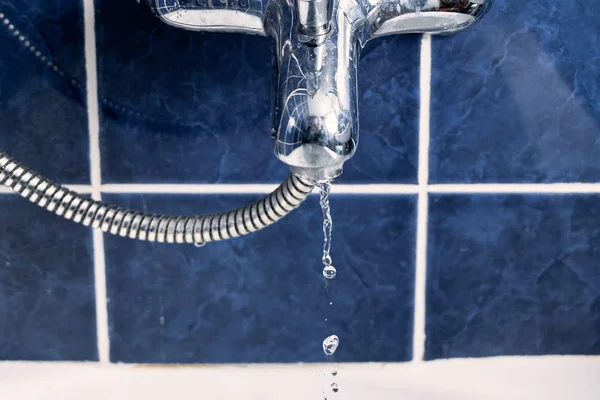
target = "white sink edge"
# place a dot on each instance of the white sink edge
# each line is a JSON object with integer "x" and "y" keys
{"x": 548, "y": 378}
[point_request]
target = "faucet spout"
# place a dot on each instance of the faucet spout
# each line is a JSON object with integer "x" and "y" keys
{"x": 316, "y": 113}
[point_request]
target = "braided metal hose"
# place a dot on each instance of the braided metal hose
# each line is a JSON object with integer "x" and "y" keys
{"x": 153, "y": 227}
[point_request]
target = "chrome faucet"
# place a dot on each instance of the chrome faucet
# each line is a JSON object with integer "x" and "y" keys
{"x": 317, "y": 45}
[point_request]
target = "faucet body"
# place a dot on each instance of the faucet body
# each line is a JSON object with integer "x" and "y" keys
{"x": 317, "y": 46}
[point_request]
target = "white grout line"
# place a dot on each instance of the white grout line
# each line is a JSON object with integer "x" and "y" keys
{"x": 423, "y": 201}
{"x": 76, "y": 188}
{"x": 374, "y": 189}
{"x": 383, "y": 189}
{"x": 189, "y": 188}
{"x": 424, "y": 106}
{"x": 527, "y": 188}
{"x": 251, "y": 188}
{"x": 96, "y": 180}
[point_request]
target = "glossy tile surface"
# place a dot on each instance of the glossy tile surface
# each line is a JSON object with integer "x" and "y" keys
{"x": 388, "y": 103}
{"x": 516, "y": 98}
{"x": 42, "y": 76}
{"x": 261, "y": 298}
{"x": 47, "y": 309}
{"x": 513, "y": 275}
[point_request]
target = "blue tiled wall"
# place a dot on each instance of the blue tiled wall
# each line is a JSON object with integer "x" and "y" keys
{"x": 515, "y": 99}
{"x": 261, "y": 298}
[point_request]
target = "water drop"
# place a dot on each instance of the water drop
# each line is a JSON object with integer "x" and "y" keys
{"x": 200, "y": 244}
{"x": 330, "y": 344}
{"x": 335, "y": 387}
{"x": 329, "y": 272}
{"x": 333, "y": 372}
{"x": 331, "y": 303}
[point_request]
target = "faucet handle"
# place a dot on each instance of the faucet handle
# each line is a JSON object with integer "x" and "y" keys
{"x": 244, "y": 16}
{"x": 391, "y": 17}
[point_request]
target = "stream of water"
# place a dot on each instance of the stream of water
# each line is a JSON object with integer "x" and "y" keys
{"x": 331, "y": 342}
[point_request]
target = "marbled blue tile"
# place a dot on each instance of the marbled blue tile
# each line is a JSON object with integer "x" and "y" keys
{"x": 515, "y": 98}
{"x": 43, "y": 119}
{"x": 388, "y": 101}
{"x": 47, "y": 306}
{"x": 513, "y": 275}
{"x": 181, "y": 106}
{"x": 261, "y": 298}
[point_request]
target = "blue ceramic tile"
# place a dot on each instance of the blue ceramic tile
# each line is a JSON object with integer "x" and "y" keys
{"x": 261, "y": 298}
{"x": 388, "y": 83}
{"x": 42, "y": 109}
{"x": 513, "y": 275}
{"x": 515, "y": 98}
{"x": 47, "y": 306}
{"x": 181, "y": 106}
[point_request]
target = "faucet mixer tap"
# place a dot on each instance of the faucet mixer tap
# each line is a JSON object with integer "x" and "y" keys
{"x": 317, "y": 45}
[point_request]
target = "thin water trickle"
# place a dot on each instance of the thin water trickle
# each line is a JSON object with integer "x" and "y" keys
{"x": 330, "y": 344}
{"x": 325, "y": 189}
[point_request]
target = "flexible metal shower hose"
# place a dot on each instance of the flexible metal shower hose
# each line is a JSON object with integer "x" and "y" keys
{"x": 152, "y": 227}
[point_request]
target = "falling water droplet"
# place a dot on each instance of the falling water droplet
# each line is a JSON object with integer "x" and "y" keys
{"x": 335, "y": 387}
{"x": 329, "y": 272}
{"x": 331, "y": 303}
{"x": 200, "y": 244}
{"x": 333, "y": 372}
{"x": 330, "y": 344}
